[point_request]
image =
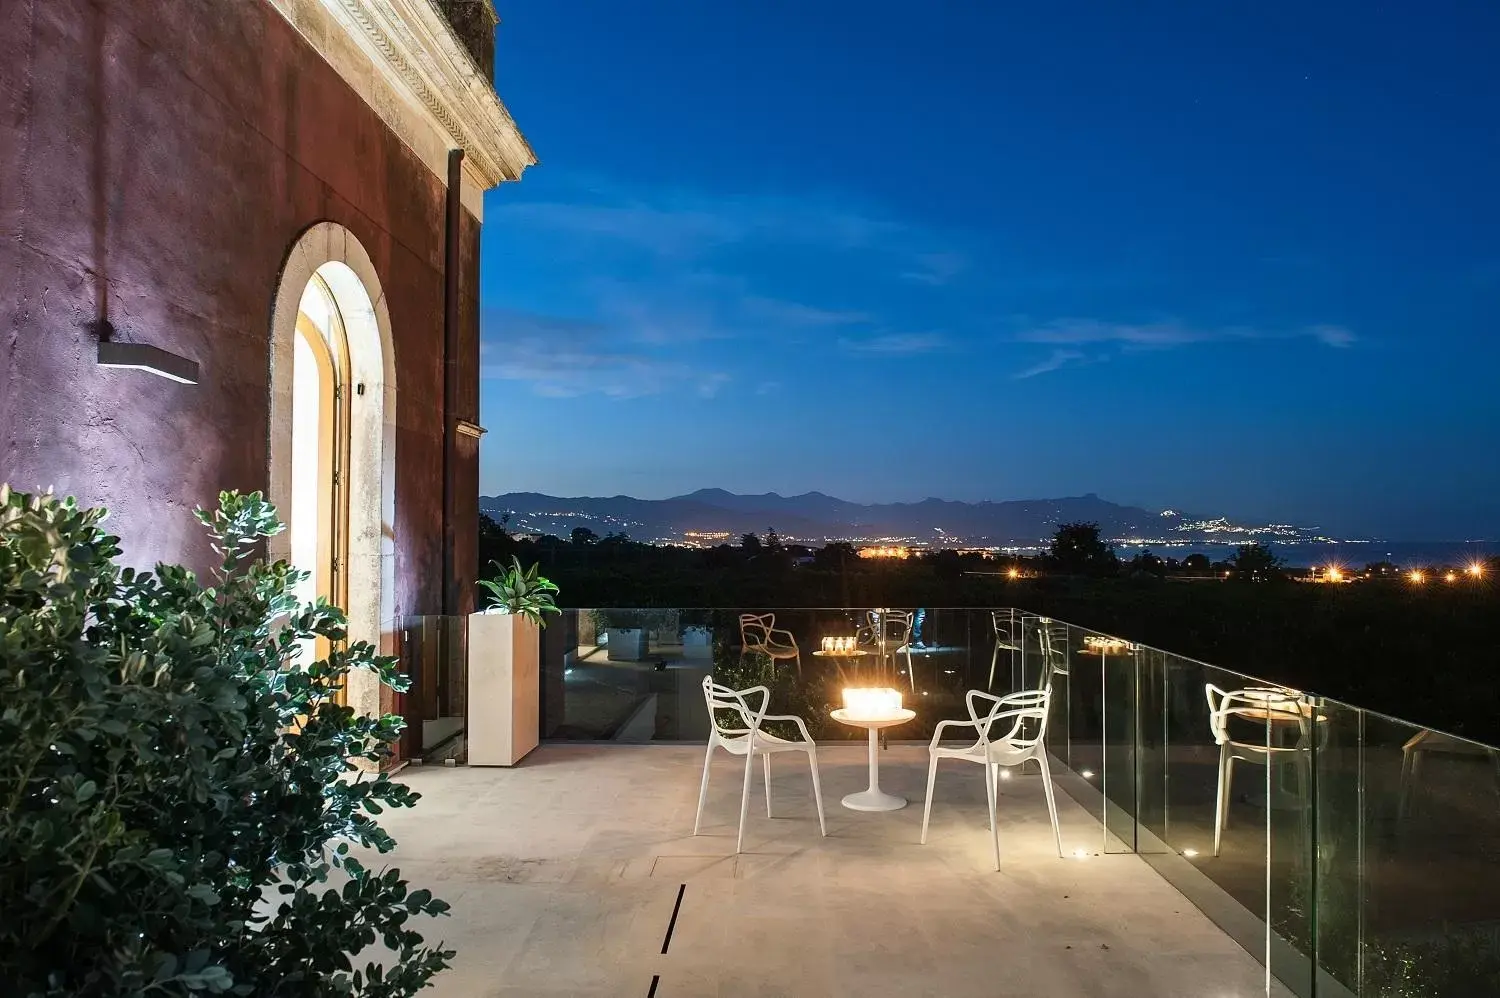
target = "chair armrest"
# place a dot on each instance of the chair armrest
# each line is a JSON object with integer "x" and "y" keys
{"x": 790, "y": 641}
{"x": 801, "y": 724}
{"x": 937, "y": 732}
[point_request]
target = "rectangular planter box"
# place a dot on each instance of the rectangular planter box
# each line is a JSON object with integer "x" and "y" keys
{"x": 626, "y": 644}
{"x": 697, "y": 643}
{"x": 504, "y": 689}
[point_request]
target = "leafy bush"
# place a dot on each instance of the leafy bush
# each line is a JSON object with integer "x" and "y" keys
{"x": 180, "y": 794}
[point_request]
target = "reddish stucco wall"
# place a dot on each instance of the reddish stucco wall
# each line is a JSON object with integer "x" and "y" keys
{"x": 158, "y": 159}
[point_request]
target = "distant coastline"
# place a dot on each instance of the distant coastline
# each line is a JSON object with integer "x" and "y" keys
{"x": 710, "y": 517}
{"x": 1345, "y": 554}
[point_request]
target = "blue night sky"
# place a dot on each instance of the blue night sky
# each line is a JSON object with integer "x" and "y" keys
{"x": 1240, "y": 261}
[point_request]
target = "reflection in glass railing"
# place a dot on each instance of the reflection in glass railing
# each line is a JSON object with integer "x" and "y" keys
{"x": 1350, "y": 852}
{"x": 434, "y": 654}
{"x": 634, "y": 675}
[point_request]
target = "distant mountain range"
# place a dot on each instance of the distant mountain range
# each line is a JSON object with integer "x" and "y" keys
{"x": 711, "y": 516}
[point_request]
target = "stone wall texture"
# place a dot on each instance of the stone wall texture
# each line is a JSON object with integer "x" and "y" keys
{"x": 158, "y": 160}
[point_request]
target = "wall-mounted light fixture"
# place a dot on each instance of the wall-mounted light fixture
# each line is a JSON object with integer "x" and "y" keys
{"x": 144, "y": 357}
{"x": 468, "y": 429}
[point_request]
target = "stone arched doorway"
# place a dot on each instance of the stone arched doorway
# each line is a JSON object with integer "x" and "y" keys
{"x": 332, "y": 434}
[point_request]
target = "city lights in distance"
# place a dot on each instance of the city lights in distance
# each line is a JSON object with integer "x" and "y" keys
{"x": 885, "y": 551}
{"x": 1451, "y": 577}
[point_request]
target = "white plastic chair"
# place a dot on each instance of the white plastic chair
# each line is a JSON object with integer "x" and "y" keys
{"x": 890, "y": 631}
{"x": 759, "y": 634}
{"x": 1258, "y": 709}
{"x": 1027, "y": 713}
{"x": 1005, "y": 626}
{"x": 1054, "y": 641}
{"x": 750, "y": 741}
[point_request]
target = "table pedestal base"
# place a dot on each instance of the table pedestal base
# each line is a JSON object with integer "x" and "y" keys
{"x": 874, "y": 799}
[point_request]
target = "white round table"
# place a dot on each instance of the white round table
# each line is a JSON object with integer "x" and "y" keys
{"x": 873, "y": 798}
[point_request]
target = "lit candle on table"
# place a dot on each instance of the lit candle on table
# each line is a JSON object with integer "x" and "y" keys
{"x": 872, "y": 704}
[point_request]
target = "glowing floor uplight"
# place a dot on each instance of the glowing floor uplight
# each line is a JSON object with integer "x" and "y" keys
{"x": 1087, "y": 774}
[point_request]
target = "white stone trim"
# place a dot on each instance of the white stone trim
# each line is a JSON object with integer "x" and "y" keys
{"x": 404, "y": 60}
{"x": 371, "y": 568}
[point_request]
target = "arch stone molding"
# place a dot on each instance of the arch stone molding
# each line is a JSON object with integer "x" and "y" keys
{"x": 333, "y": 253}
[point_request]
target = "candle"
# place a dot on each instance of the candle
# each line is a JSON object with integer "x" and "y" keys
{"x": 872, "y": 704}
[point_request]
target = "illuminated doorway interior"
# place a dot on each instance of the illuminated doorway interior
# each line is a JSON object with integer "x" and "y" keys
{"x": 319, "y": 517}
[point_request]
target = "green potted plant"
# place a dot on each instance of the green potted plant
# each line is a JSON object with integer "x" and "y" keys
{"x": 505, "y": 665}
{"x": 626, "y": 638}
{"x": 697, "y": 635}
{"x": 521, "y": 592}
{"x": 628, "y": 632}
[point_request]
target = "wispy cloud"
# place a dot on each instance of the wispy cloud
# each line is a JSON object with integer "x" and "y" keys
{"x": 1068, "y": 336}
{"x": 561, "y": 357}
{"x": 1333, "y": 336}
{"x": 791, "y": 313}
{"x": 1059, "y": 359}
{"x": 677, "y": 224}
{"x": 667, "y": 231}
{"x": 896, "y": 344}
{"x": 1171, "y": 333}
{"x": 937, "y": 269}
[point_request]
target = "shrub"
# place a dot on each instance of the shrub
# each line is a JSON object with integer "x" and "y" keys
{"x": 180, "y": 795}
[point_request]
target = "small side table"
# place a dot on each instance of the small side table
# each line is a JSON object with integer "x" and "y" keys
{"x": 873, "y": 798}
{"x": 852, "y": 653}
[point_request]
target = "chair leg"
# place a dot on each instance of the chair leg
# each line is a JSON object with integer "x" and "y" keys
{"x": 812, "y": 761}
{"x": 911, "y": 673}
{"x": 703, "y": 790}
{"x": 739, "y": 843}
{"x": 927, "y": 804}
{"x": 989, "y": 789}
{"x": 766, "y": 759}
{"x": 1041, "y": 759}
{"x": 1221, "y": 810}
{"x": 994, "y": 660}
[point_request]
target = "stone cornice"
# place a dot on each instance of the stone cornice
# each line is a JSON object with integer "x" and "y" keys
{"x": 424, "y": 84}
{"x": 420, "y": 48}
